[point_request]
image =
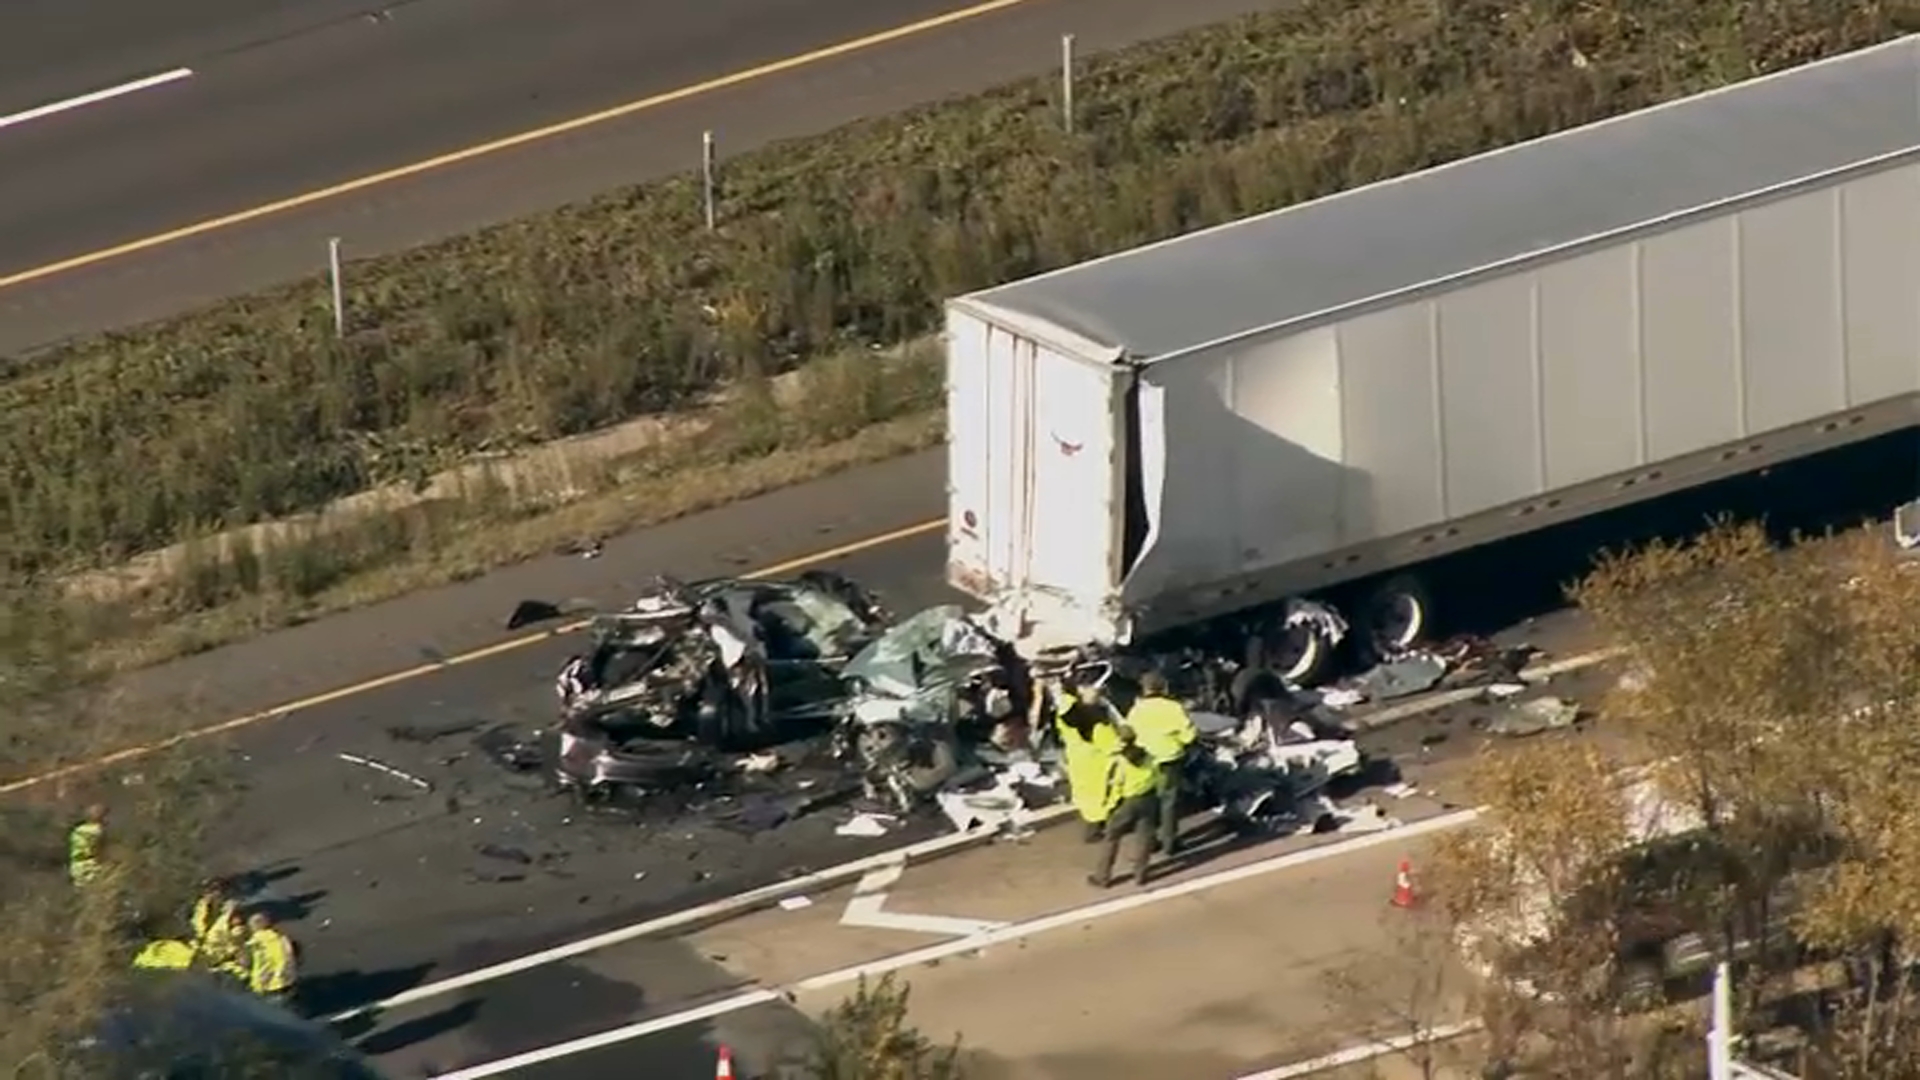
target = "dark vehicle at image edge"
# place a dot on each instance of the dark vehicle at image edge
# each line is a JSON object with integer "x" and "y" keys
{"x": 169, "y": 1025}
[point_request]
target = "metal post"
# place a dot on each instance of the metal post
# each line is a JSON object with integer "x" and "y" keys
{"x": 1720, "y": 1035}
{"x": 1066, "y": 81}
{"x": 339, "y": 303}
{"x": 706, "y": 172}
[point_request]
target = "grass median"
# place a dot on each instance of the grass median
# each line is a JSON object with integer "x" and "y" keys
{"x": 831, "y": 247}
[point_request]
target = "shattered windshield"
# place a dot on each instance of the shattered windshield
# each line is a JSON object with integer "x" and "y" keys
{"x": 938, "y": 645}
{"x": 828, "y": 627}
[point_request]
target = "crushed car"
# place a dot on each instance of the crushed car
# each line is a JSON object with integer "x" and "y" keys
{"x": 724, "y": 663}
{"x": 922, "y": 697}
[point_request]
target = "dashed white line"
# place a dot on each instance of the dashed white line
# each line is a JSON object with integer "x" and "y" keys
{"x": 96, "y": 97}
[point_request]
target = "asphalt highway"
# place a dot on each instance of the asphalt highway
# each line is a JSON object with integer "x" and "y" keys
{"x": 291, "y": 98}
{"x": 389, "y": 887}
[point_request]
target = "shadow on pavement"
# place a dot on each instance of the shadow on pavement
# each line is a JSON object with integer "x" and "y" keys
{"x": 419, "y": 1029}
{"x": 334, "y": 991}
{"x": 287, "y": 909}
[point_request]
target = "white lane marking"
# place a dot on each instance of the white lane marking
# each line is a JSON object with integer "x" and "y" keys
{"x": 726, "y": 907}
{"x": 971, "y": 943}
{"x": 96, "y": 97}
{"x": 867, "y": 908}
{"x": 769, "y": 894}
{"x": 1368, "y": 1051}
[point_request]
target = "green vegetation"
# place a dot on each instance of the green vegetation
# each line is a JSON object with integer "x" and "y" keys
{"x": 575, "y": 320}
{"x": 65, "y": 952}
{"x": 868, "y": 1037}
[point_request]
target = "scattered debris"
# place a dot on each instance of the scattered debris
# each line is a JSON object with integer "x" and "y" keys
{"x": 1402, "y": 790}
{"x": 1501, "y": 691}
{"x": 423, "y": 735}
{"x": 760, "y": 763}
{"x": 382, "y": 767}
{"x": 795, "y": 903}
{"x": 1366, "y": 819}
{"x": 1906, "y": 525}
{"x": 505, "y": 854}
{"x": 1402, "y": 676}
{"x": 867, "y": 825}
{"x": 1341, "y": 697}
{"x": 1536, "y": 716}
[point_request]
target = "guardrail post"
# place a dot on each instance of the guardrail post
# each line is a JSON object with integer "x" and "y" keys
{"x": 706, "y": 173}
{"x": 339, "y": 301}
{"x": 1066, "y": 82}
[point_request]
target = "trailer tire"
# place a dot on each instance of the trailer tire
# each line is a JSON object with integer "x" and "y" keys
{"x": 1398, "y": 616}
{"x": 1304, "y": 656}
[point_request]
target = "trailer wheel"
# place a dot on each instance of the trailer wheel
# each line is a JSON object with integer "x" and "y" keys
{"x": 1304, "y": 655}
{"x": 1398, "y": 615}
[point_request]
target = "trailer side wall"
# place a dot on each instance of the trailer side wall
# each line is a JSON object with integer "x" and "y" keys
{"x": 1321, "y": 454}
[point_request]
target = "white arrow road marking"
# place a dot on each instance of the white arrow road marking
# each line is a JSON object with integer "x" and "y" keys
{"x": 870, "y": 898}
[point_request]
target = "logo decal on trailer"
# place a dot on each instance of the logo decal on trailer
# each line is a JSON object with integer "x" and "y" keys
{"x": 1067, "y": 448}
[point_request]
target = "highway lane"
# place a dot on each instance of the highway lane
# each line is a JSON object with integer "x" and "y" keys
{"x": 56, "y": 49}
{"x": 659, "y": 981}
{"x": 353, "y": 97}
{"x": 394, "y": 887}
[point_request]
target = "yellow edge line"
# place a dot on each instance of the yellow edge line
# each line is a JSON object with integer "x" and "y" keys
{"x": 657, "y": 100}
{"x": 329, "y": 697}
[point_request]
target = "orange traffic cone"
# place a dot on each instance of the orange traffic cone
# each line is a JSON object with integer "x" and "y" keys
{"x": 1403, "y": 886}
{"x": 724, "y": 1070}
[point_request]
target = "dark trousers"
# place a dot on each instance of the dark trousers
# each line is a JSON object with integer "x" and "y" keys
{"x": 1135, "y": 815}
{"x": 1171, "y": 776}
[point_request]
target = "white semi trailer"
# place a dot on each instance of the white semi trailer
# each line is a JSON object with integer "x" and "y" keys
{"x": 1269, "y": 410}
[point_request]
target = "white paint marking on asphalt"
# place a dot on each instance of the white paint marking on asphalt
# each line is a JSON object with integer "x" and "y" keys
{"x": 943, "y": 845}
{"x": 868, "y": 909}
{"x": 751, "y": 900}
{"x": 1367, "y": 1051}
{"x": 96, "y": 97}
{"x": 972, "y": 943}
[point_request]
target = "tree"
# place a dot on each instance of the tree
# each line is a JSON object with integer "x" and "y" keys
{"x": 867, "y": 1037}
{"x": 1769, "y": 697}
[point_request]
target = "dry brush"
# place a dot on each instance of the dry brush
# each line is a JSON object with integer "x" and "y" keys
{"x": 1769, "y": 699}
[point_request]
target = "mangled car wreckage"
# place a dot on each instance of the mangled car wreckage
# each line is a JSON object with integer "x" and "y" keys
{"x": 933, "y": 709}
{"x": 729, "y": 663}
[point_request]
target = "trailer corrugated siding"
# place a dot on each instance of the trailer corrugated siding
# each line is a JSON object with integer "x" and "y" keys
{"x": 1401, "y": 356}
{"x": 1489, "y": 395}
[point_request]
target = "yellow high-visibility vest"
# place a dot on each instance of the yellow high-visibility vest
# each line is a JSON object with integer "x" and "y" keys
{"x": 165, "y": 955}
{"x": 270, "y": 967}
{"x": 1162, "y": 727}
{"x": 83, "y": 852}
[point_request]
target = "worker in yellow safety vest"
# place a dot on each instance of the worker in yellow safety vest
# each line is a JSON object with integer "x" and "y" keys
{"x": 1088, "y": 740}
{"x": 223, "y": 946}
{"x": 1132, "y": 802}
{"x": 85, "y": 847}
{"x": 165, "y": 954}
{"x": 1163, "y": 729}
{"x": 270, "y": 959}
{"x": 211, "y": 908}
